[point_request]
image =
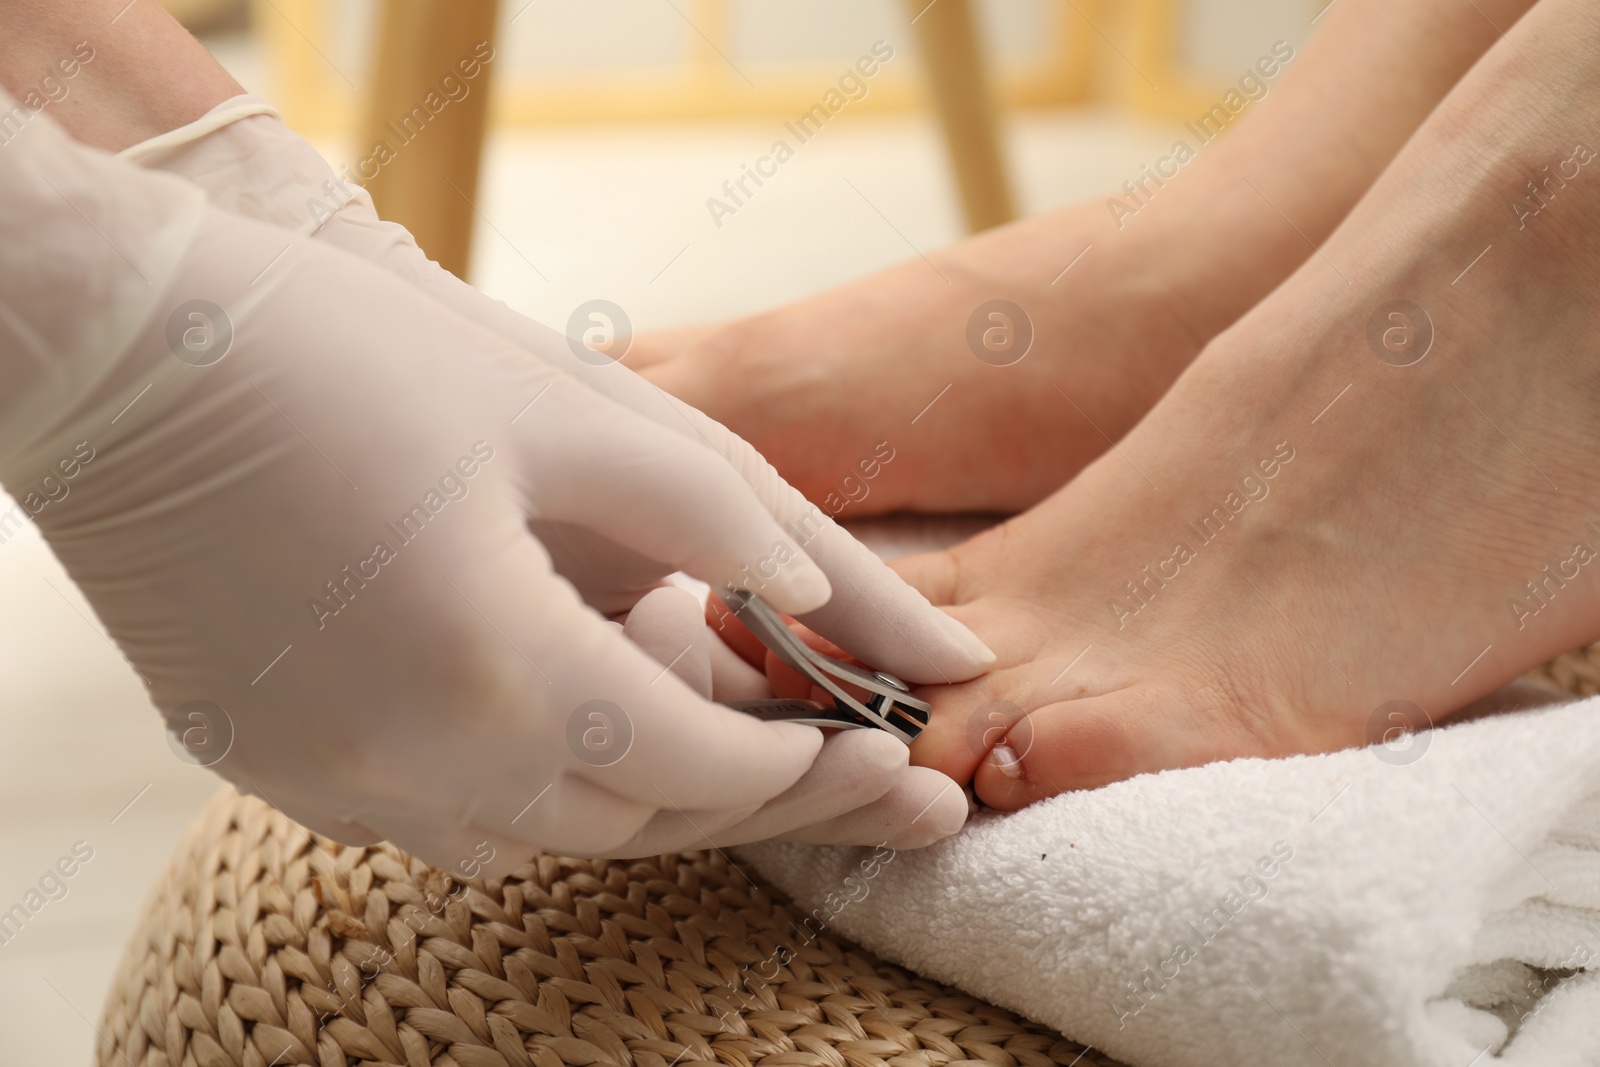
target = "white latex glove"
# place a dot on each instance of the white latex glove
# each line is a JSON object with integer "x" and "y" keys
{"x": 846, "y": 798}
{"x": 300, "y": 508}
{"x": 250, "y": 163}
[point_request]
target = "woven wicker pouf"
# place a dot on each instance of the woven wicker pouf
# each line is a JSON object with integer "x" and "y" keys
{"x": 265, "y": 945}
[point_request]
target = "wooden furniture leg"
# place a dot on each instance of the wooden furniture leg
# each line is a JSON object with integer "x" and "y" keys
{"x": 966, "y": 109}
{"x": 429, "y": 183}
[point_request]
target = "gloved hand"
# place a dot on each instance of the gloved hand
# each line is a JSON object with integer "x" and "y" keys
{"x": 297, "y": 496}
{"x": 844, "y": 799}
{"x": 250, "y": 163}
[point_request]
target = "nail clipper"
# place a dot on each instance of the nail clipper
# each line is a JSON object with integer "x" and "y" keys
{"x": 889, "y": 706}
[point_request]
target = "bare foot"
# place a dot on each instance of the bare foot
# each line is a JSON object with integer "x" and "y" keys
{"x": 1100, "y": 322}
{"x": 1312, "y": 534}
{"x": 1118, "y": 305}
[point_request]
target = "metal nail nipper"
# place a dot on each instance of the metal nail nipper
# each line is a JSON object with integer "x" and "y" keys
{"x": 889, "y": 706}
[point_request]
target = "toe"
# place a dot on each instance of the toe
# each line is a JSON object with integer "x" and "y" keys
{"x": 1087, "y": 743}
{"x": 933, "y": 574}
{"x": 966, "y": 723}
{"x": 788, "y": 683}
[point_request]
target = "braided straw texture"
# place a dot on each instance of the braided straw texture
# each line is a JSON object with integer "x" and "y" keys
{"x": 265, "y": 945}
{"x": 1576, "y": 672}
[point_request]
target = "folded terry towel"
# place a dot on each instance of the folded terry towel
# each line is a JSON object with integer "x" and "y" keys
{"x": 1437, "y": 905}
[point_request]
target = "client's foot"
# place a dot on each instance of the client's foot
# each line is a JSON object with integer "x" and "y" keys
{"x": 978, "y": 411}
{"x": 1306, "y": 529}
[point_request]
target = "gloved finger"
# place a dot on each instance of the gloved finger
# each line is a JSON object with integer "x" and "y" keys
{"x": 573, "y": 817}
{"x": 872, "y": 613}
{"x": 460, "y": 850}
{"x": 732, "y": 678}
{"x": 667, "y": 624}
{"x": 677, "y": 831}
{"x": 659, "y": 494}
{"x": 443, "y": 811}
{"x": 654, "y": 740}
{"x": 568, "y": 736}
{"x": 609, "y": 577}
{"x": 854, "y": 769}
{"x": 881, "y": 620}
{"x": 923, "y": 807}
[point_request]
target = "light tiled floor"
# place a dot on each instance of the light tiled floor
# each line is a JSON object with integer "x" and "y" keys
{"x": 618, "y": 213}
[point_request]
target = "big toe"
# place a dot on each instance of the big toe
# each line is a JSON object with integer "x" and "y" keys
{"x": 1093, "y": 741}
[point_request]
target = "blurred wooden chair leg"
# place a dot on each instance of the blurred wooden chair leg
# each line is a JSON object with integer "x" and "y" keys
{"x": 430, "y": 182}
{"x": 966, "y": 109}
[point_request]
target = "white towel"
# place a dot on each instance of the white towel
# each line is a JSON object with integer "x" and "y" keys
{"x": 1322, "y": 910}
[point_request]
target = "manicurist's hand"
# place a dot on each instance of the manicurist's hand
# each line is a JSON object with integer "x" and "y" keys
{"x": 860, "y": 790}
{"x": 299, "y": 502}
{"x": 250, "y": 163}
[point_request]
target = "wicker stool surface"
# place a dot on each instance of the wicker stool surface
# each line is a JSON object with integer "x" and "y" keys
{"x": 266, "y": 945}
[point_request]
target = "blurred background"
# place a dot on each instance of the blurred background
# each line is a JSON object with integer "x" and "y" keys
{"x": 610, "y": 123}
{"x": 578, "y": 165}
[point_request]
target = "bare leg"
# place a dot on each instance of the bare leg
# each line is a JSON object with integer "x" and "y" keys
{"x": 1346, "y": 502}
{"x": 816, "y": 385}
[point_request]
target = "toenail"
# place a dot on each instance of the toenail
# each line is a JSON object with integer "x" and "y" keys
{"x": 1005, "y": 758}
